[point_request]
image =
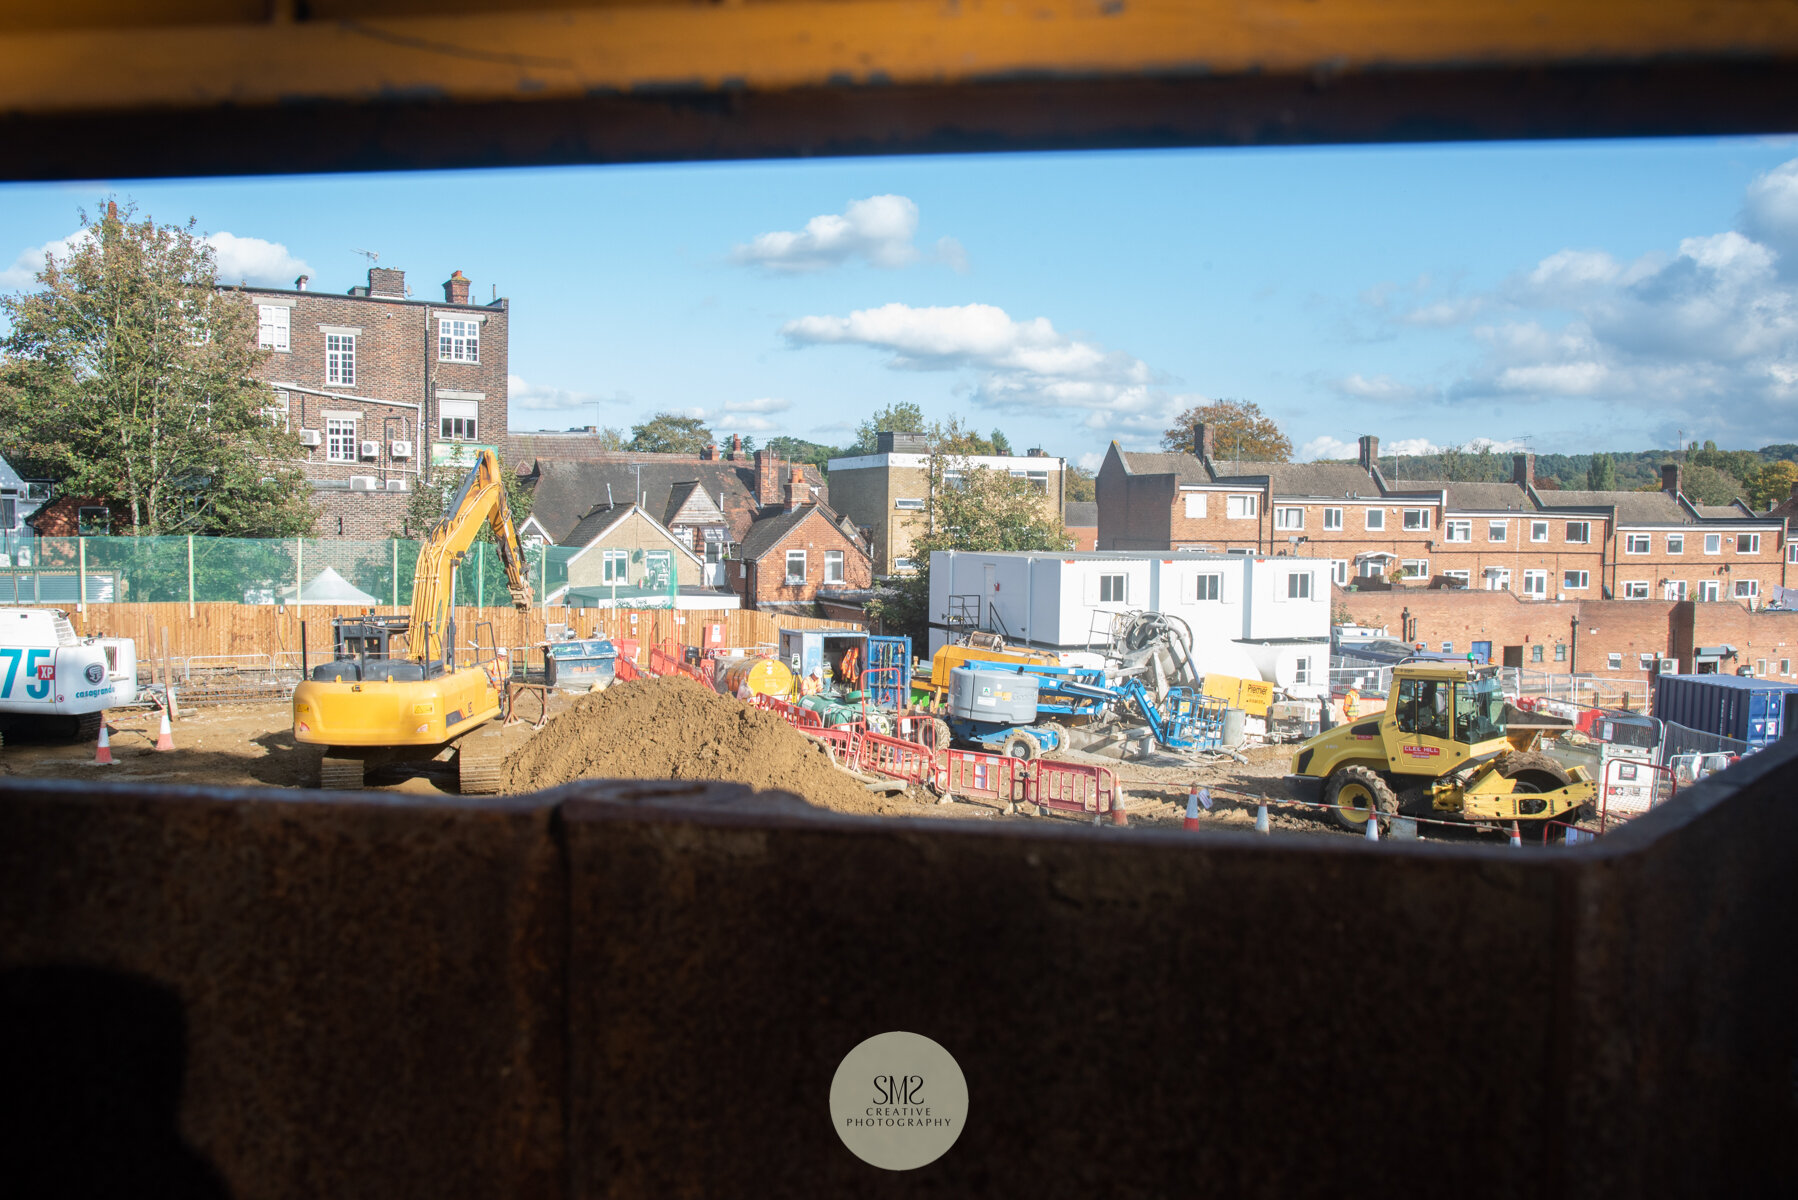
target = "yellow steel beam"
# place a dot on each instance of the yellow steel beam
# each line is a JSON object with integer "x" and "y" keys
{"x": 476, "y": 55}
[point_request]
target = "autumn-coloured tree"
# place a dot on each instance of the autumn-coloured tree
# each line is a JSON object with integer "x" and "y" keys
{"x": 1240, "y": 430}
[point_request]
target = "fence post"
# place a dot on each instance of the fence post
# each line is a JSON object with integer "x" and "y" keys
{"x": 81, "y": 571}
{"x": 299, "y": 569}
{"x": 396, "y": 572}
{"x": 480, "y": 575}
{"x": 190, "y": 576}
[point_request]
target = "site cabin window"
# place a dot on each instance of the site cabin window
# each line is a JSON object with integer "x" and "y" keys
{"x": 1536, "y": 652}
{"x": 1635, "y": 589}
{"x": 1332, "y": 519}
{"x": 1376, "y": 518}
{"x": 1242, "y": 508}
{"x": 1575, "y": 581}
{"x": 278, "y": 408}
{"x": 909, "y": 505}
{"x": 1637, "y": 543}
{"x": 93, "y": 522}
{"x": 458, "y": 340}
{"x": 274, "y": 327}
{"x": 1298, "y": 585}
{"x": 340, "y": 359}
{"x": 1579, "y": 532}
{"x": 1709, "y": 589}
{"x": 1301, "y": 670}
{"x": 457, "y": 420}
{"x": 1458, "y": 531}
{"x": 1339, "y": 573}
{"x": 1676, "y": 543}
{"x": 795, "y": 566}
{"x": 1748, "y": 543}
{"x": 1211, "y": 587}
{"x": 1538, "y": 531}
{"x": 1614, "y": 660}
{"x": 1560, "y": 651}
{"x": 1195, "y": 504}
{"x": 615, "y": 566}
{"x": 1417, "y": 518}
{"x": 1535, "y": 583}
{"x": 1747, "y": 589}
{"x": 1497, "y": 531}
{"x": 1289, "y": 518}
{"x": 1112, "y": 589}
{"x": 340, "y": 439}
{"x": 1713, "y": 543}
{"x": 833, "y": 566}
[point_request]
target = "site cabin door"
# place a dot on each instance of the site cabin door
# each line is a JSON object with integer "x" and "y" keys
{"x": 1482, "y": 652}
{"x": 1513, "y": 656}
{"x": 890, "y": 660}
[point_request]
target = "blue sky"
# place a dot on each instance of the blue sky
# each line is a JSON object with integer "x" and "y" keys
{"x": 1564, "y": 296}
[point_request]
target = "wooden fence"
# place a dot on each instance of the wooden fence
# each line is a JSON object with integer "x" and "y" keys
{"x": 245, "y": 629}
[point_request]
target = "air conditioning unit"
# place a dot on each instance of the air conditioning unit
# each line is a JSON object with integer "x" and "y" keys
{"x": 401, "y": 449}
{"x": 399, "y": 485}
{"x": 371, "y": 449}
{"x": 1669, "y": 666}
{"x": 311, "y": 437}
{"x": 364, "y": 483}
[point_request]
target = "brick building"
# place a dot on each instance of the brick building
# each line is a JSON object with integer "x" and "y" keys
{"x": 800, "y": 556}
{"x": 884, "y": 493}
{"x": 1501, "y": 537}
{"x": 381, "y": 387}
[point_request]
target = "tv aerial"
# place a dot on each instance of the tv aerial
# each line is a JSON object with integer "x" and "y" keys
{"x": 373, "y": 256}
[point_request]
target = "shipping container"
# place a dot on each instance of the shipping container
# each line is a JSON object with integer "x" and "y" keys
{"x": 1732, "y": 706}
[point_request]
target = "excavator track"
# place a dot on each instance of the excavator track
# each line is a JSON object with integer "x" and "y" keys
{"x": 479, "y": 764}
{"x": 339, "y": 774}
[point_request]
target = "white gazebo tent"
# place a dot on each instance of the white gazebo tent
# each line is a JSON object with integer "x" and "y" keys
{"x": 328, "y": 587}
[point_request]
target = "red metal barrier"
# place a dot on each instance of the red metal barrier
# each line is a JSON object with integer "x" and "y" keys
{"x": 802, "y": 719}
{"x": 991, "y": 778}
{"x": 844, "y": 740}
{"x": 1072, "y": 787}
{"x": 898, "y": 759}
{"x": 625, "y": 669}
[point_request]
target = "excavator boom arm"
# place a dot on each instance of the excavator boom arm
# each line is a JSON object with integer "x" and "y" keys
{"x": 481, "y": 498}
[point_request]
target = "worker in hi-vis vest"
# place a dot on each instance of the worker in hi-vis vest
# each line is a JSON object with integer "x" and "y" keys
{"x": 1351, "y": 703}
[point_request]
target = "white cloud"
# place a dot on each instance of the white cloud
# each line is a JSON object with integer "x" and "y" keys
{"x": 1328, "y": 447}
{"x": 254, "y": 260}
{"x": 1092, "y": 460}
{"x": 1380, "y": 387}
{"x": 747, "y": 424}
{"x": 240, "y": 260}
{"x": 537, "y": 397}
{"x": 1770, "y": 210}
{"x": 766, "y": 404}
{"x": 950, "y": 253}
{"x": 1410, "y": 446}
{"x": 1023, "y": 366}
{"x": 878, "y": 230}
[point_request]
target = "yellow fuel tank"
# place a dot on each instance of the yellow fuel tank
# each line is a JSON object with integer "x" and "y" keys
{"x": 764, "y": 677}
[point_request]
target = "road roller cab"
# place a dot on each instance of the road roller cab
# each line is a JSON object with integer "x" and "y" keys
{"x": 1448, "y": 743}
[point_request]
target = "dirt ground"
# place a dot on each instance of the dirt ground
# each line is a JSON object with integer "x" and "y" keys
{"x": 647, "y": 730}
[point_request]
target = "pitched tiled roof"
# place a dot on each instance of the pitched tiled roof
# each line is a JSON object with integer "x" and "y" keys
{"x": 1723, "y": 512}
{"x": 564, "y": 490}
{"x": 767, "y": 531}
{"x": 1632, "y": 508}
{"x": 1313, "y": 479}
{"x": 677, "y": 496}
{"x": 595, "y": 524}
{"x": 1183, "y": 467}
{"x": 1476, "y": 497}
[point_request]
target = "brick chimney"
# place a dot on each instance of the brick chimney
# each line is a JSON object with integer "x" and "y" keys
{"x": 1523, "y": 470}
{"x": 1369, "y": 453}
{"x": 736, "y": 445}
{"x": 1204, "y": 439}
{"x": 709, "y": 453}
{"x": 797, "y": 492}
{"x": 455, "y": 289}
{"x": 1670, "y": 478}
{"x": 387, "y": 282}
{"x": 767, "y": 478}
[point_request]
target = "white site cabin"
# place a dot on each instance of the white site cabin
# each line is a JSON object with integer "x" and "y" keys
{"x": 1258, "y": 617}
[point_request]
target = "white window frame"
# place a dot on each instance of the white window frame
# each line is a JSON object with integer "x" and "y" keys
{"x": 1748, "y": 543}
{"x": 834, "y": 566}
{"x": 1301, "y": 669}
{"x": 1195, "y": 505}
{"x": 1635, "y": 589}
{"x": 1747, "y": 589}
{"x": 1374, "y": 520}
{"x": 1339, "y": 571}
{"x": 1792, "y": 552}
{"x": 1209, "y": 589}
{"x": 907, "y": 504}
{"x": 1538, "y": 531}
{"x": 1415, "y": 568}
{"x": 1465, "y": 577}
{"x": 1785, "y": 666}
{"x": 340, "y": 360}
{"x": 1584, "y": 578}
{"x": 458, "y": 420}
{"x": 1614, "y": 660}
{"x": 1242, "y": 506}
{"x": 1760, "y": 667}
{"x": 1332, "y": 520}
{"x": 1502, "y": 528}
{"x": 1458, "y": 530}
{"x": 1289, "y": 518}
{"x": 279, "y": 409}
{"x": 1638, "y": 543}
{"x": 274, "y": 328}
{"x": 615, "y": 566}
{"x": 1501, "y": 574}
{"x": 1535, "y": 583}
{"x": 1709, "y": 591}
{"x": 340, "y": 439}
{"x": 1713, "y": 543}
{"x": 1646, "y": 661}
{"x": 1674, "y": 589}
{"x": 1414, "y": 520}
{"x": 458, "y": 340}
{"x": 1676, "y": 543}
{"x": 1581, "y": 538}
{"x": 1298, "y": 585}
{"x": 1119, "y": 590}
{"x": 794, "y": 578}
{"x": 1535, "y": 652}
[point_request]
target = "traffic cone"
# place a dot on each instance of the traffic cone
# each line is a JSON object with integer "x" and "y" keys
{"x": 1372, "y": 832}
{"x": 1118, "y": 815}
{"x": 1192, "y": 809}
{"x": 103, "y": 751}
{"x": 1516, "y": 835}
{"x": 165, "y": 740}
{"x": 1261, "y": 818}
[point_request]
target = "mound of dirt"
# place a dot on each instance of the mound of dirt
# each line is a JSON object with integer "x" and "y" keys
{"x": 676, "y": 729}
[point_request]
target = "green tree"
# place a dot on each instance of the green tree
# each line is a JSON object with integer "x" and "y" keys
{"x": 799, "y": 450}
{"x": 130, "y": 375}
{"x": 1000, "y": 443}
{"x": 667, "y": 433}
{"x": 966, "y": 508}
{"x": 1240, "y": 430}
{"x": 1601, "y": 474}
{"x": 1705, "y": 484}
{"x": 1773, "y": 483}
{"x": 1473, "y": 463}
{"x": 904, "y": 417}
{"x": 437, "y": 486}
{"x": 1081, "y": 485}
{"x": 612, "y": 439}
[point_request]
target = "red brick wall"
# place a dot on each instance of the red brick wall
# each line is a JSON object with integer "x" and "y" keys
{"x": 763, "y": 581}
{"x": 61, "y": 517}
{"x": 1085, "y": 536}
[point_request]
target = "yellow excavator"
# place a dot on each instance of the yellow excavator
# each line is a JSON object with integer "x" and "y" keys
{"x": 373, "y": 705}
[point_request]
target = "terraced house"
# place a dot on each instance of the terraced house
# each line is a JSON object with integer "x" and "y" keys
{"x": 1501, "y": 537}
